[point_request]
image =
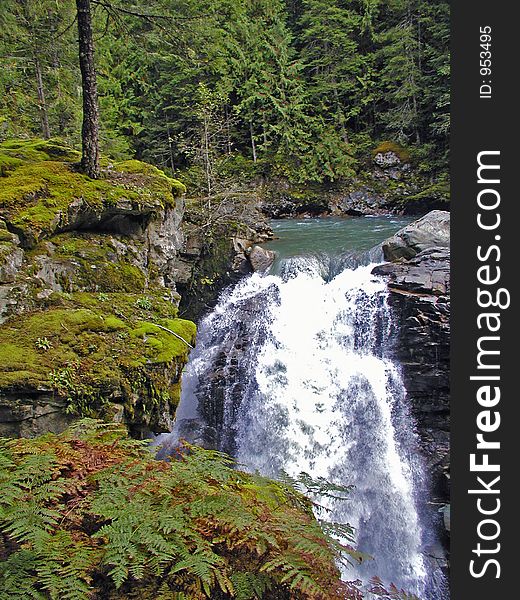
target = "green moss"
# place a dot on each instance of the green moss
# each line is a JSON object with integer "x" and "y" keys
{"x": 95, "y": 347}
{"x": 158, "y": 177}
{"x": 125, "y": 306}
{"x": 402, "y": 153}
{"x": 36, "y": 150}
{"x": 439, "y": 191}
{"x": 38, "y": 186}
{"x": 96, "y": 264}
{"x": 5, "y": 235}
{"x": 8, "y": 163}
{"x": 164, "y": 346}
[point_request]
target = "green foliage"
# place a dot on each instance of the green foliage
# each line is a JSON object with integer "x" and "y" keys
{"x": 84, "y": 348}
{"x": 144, "y": 303}
{"x": 291, "y": 85}
{"x": 39, "y": 76}
{"x": 92, "y": 512}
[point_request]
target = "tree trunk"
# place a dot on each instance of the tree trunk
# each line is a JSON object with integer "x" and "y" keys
{"x": 172, "y": 163}
{"x": 253, "y": 145}
{"x": 228, "y": 129}
{"x": 42, "y": 105}
{"x": 90, "y": 127}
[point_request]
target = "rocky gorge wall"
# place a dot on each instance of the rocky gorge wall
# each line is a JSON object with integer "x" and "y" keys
{"x": 90, "y": 275}
{"x": 388, "y": 183}
{"x": 88, "y": 305}
{"x": 418, "y": 274}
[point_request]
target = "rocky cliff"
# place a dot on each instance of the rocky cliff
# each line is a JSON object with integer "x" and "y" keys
{"x": 390, "y": 182}
{"x": 88, "y": 303}
{"x": 419, "y": 285}
{"x": 219, "y": 247}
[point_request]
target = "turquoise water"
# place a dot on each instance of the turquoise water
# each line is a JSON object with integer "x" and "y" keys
{"x": 332, "y": 244}
{"x": 297, "y": 237}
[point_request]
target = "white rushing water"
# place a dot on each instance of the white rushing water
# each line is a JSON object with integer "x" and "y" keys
{"x": 299, "y": 367}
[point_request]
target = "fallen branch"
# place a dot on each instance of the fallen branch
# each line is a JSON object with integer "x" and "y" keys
{"x": 175, "y": 334}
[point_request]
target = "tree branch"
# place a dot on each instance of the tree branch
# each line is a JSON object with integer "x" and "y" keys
{"x": 175, "y": 334}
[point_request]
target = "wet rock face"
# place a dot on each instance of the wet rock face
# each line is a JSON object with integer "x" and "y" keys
{"x": 428, "y": 273}
{"x": 260, "y": 258}
{"x": 420, "y": 297}
{"x": 217, "y": 254}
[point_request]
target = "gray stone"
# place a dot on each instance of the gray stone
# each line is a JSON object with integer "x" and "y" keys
{"x": 446, "y": 514}
{"x": 420, "y": 299}
{"x": 11, "y": 259}
{"x": 427, "y": 273}
{"x": 28, "y": 415}
{"x": 260, "y": 258}
{"x": 11, "y": 256}
{"x": 164, "y": 241}
{"x": 361, "y": 202}
{"x": 387, "y": 159}
{"x": 431, "y": 231}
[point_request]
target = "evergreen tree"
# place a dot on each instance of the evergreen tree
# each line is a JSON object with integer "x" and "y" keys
{"x": 299, "y": 83}
{"x": 332, "y": 59}
{"x": 38, "y": 80}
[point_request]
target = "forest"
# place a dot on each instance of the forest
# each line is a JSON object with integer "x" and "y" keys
{"x": 222, "y": 89}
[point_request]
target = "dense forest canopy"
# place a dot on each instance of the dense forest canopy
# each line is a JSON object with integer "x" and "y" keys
{"x": 300, "y": 88}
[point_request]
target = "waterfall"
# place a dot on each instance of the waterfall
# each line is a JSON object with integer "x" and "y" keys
{"x": 293, "y": 372}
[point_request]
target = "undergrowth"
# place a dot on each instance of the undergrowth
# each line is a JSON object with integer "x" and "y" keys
{"x": 92, "y": 513}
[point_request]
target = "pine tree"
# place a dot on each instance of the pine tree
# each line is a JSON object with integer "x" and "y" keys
{"x": 400, "y": 64}
{"x": 333, "y": 62}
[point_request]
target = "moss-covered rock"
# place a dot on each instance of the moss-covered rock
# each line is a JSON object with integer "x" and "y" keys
{"x": 74, "y": 262}
{"x": 392, "y": 148}
{"x": 94, "y": 351}
{"x": 89, "y": 310}
{"x": 310, "y": 200}
{"x": 41, "y": 193}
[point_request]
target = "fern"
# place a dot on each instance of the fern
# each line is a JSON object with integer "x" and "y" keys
{"x": 91, "y": 512}
{"x": 248, "y": 586}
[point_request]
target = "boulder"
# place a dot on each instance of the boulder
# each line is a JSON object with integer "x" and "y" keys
{"x": 427, "y": 273}
{"x": 260, "y": 258}
{"x": 431, "y": 231}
